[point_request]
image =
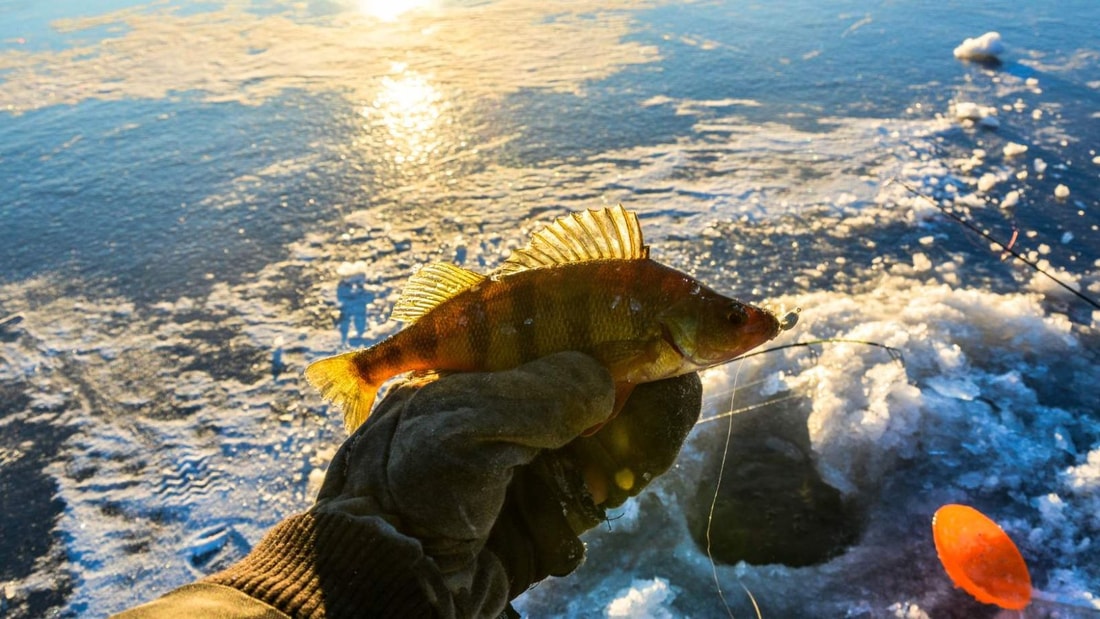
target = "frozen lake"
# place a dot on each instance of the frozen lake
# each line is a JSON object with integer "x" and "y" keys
{"x": 199, "y": 198}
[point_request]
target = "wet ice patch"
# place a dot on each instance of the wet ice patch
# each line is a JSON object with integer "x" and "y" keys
{"x": 307, "y": 51}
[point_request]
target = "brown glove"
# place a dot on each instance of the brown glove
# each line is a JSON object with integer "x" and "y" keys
{"x": 459, "y": 494}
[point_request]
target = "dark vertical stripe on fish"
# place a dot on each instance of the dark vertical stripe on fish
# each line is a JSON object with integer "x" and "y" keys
{"x": 478, "y": 327}
{"x": 523, "y": 318}
{"x": 425, "y": 341}
{"x": 578, "y": 325}
{"x": 382, "y": 362}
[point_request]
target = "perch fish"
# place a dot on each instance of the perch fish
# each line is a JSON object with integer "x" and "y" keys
{"x": 584, "y": 283}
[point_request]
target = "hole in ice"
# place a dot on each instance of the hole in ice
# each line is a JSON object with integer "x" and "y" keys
{"x": 772, "y": 505}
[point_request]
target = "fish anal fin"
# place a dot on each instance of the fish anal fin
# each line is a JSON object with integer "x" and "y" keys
{"x": 607, "y": 234}
{"x": 622, "y": 392}
{"x": 433, "y": 284}
{"x": 339, "y": 381}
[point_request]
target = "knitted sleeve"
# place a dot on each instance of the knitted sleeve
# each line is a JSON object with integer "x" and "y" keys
{"x": 335, "y": 565}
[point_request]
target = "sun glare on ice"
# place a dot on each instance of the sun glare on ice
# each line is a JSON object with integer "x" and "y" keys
{"x": 390, "y": 10}
{"x": 409, "y": 108}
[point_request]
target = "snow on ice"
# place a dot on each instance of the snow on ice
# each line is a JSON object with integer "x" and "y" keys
{"x": 986, "y": 47}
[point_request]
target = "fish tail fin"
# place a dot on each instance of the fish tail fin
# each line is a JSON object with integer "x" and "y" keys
{"x": 340, "y": 382}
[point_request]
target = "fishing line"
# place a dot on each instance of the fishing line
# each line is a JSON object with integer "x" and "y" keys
{"x": 894, "y": 353}
{"x": 745, "y": 409}
{"x": 714, "y": 501}
{"x": 752, "y": 598}
{"x": 989, "y": 237}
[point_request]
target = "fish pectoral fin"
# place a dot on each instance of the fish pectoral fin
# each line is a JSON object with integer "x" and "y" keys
{"x": 621, "y": 356}
{"x": 433, "y": 284}
{"x": 339, "y": 381}
{"x": 606, "y": 234}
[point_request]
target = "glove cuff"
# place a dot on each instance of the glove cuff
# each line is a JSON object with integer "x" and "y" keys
{"x": 321, "y": 564}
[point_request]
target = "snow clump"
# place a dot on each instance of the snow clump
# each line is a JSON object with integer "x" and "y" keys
{"x": 986, "y": 47}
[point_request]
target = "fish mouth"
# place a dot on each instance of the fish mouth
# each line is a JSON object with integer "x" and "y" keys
{"x": 764, "y": 324}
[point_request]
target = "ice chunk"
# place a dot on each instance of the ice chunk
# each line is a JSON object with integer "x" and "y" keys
{"x": 986, "y": 47}
{"x": 908, "y": 610}
{"x": 986, "y": 182}
{"x": 1013, "y": 149}
{"x": 968, "y": 110}
{"x": 1011, "y": 199}
{"x": 1061, "y": 192}
{"x": 1085, "y": 478}
{"x": 921, "y": 262}
{"x": 347, "y": 269}
{"x": 643, "y": 598}
{"x": 957, "y": 388}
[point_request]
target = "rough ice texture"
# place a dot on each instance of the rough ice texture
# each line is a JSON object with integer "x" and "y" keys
{"x": 986, "y": 47}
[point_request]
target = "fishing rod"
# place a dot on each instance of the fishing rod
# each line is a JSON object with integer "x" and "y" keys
{"x": 1005, "y": 248}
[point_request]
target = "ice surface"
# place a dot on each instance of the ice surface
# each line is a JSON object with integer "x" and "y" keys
{"x": 183, "y": 429}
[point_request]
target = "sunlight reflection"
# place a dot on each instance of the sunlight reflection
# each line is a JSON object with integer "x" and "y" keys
{"x": 409, "y": 110}
{"x": 389, "y": 10}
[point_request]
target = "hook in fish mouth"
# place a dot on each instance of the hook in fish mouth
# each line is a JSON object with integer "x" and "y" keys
{"x": 784, "y": 318}
{"x": 790, "y": 319}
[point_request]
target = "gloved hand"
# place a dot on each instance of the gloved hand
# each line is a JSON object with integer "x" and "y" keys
{"x": 475, "y": 486}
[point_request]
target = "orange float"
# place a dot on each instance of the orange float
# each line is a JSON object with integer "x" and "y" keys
{"x": 980, "y": 557}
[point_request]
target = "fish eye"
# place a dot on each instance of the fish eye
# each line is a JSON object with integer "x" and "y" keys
{"x": 736, "y": 314}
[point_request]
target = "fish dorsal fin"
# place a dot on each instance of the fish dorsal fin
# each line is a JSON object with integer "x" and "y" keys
{"x": 607, "y": 234}
{"x": 433, "y": 284}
